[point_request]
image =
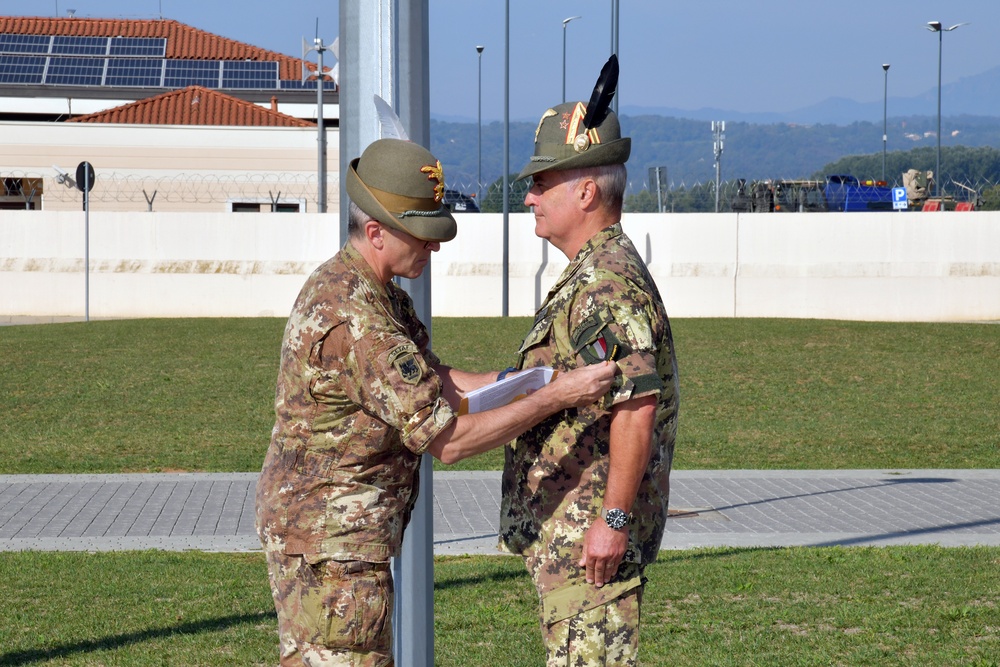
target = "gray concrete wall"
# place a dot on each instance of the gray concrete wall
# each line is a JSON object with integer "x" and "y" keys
{"x": 884, "y": 266}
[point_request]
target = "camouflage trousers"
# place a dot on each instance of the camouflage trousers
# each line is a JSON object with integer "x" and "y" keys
{"x": 332, "y": 613}
{"x": 586, "y": 626}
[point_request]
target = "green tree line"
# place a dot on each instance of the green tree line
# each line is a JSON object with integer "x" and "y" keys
{"x": 753, "y": 151}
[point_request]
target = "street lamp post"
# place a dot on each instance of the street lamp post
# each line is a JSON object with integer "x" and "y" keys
{"x": 319, "y": 47}
{"x": 935, "y": 26}
{"x": 479, "y": 173}
{"x": 885, "y": 107}
{"x": 565, "y": 23}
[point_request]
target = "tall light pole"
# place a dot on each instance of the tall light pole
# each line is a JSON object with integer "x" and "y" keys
{"x": 479, "y": 173}
{"x": 319, "y": 47}
{"x": 565, "y": 23}
{"x": 885, "y": 107}
{"x": 935, "y": 26}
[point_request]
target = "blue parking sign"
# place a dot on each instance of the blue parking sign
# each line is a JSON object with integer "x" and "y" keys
{"x": 899, "y": 199}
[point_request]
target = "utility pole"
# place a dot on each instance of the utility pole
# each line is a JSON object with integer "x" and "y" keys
{"x": 319, "y": 47}
{"x": 719, "y": 134}
{"x": 885, "y": 107}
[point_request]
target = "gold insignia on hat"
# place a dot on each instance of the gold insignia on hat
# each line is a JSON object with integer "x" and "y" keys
{"x": 547, "y": 114}
{"x": 435, "y": 173}
{"x": 580, "y": 141}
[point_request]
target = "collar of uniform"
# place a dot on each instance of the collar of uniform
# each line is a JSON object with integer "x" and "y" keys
{"x": 353, "y": 259}
{"x": 600, "y": 238}
{"x": 597, "y": 240}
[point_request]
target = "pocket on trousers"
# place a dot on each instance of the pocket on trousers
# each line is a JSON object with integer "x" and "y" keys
{"x": 346, "y": 605}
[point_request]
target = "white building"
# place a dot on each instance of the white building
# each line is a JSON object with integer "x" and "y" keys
{"x": 171, "y": 118}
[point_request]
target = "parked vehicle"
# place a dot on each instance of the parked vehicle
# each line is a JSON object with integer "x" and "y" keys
{"x": 847, "y": 193}
{"x": 838, "y": 192}
{"x": 460, "y": 203}
{"x": 780, "y": 196}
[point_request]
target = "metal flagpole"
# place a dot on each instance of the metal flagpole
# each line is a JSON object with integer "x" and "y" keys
{"x": 383, "y": 51}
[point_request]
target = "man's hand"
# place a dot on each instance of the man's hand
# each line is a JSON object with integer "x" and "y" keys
{"x": 603, "y": 550}
{"x": 584, "y": 385}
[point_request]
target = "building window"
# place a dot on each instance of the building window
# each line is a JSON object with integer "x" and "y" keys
{"x": 266, "y": 207}
{"x": 20, "y": 194}
{"x": 244, "y": 207}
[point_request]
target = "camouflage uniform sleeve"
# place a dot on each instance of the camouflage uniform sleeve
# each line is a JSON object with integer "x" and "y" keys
{"x": 396, "y": 384}
{"x": 417, "y": 330}
{"x": 613, "y": 317}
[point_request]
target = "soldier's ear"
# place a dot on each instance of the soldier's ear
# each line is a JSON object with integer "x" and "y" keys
{"x": 375, "y": 234}
{"x": 586, "y": 192}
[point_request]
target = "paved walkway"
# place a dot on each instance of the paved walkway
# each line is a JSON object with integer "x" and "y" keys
{"x": 742, "y": 508}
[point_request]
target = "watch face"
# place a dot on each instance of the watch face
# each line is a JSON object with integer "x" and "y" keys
{"x": 616, "y": 518}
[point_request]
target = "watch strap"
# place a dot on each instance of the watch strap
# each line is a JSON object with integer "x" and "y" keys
{"x": 615, "y": 518}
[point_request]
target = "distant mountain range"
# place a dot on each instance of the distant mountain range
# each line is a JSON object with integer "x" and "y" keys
{"x": 977, "y": 95}
{"x": 973, "y": 95}
{"x": 795, "y": 144}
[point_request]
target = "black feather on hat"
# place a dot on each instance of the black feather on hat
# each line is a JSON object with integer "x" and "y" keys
{"x": 574, "y": 136}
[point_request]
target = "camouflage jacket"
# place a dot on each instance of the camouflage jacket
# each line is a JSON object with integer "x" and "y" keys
{"x": 356, "y": 405}
{"x": 555, "y": 474}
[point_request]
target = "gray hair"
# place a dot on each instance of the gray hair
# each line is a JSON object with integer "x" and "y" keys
{"x": 611, "y": 180}
{"x": 356, "y": 219}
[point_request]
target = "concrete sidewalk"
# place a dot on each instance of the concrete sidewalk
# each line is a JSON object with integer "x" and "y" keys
{"x": 741, "y": 508}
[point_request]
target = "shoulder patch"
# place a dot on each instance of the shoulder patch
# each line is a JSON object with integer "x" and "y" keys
{"x": 405, "y": 363}
{"x": 594, "y": 340}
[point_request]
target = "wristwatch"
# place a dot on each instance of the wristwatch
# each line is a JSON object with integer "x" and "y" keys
{"x": 615, "y": 518}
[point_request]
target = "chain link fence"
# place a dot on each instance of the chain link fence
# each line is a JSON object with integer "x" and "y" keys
{"x": 175, "y": 192}
{"x": 764, "y": 195}
{"x": 297, "y": 192}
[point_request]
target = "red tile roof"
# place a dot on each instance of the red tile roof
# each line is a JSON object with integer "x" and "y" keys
{"x": 194, "y": 105}
{"x": 183, "y": 41}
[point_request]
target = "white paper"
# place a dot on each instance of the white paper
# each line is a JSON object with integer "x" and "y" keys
{"x": 507, "y": 390}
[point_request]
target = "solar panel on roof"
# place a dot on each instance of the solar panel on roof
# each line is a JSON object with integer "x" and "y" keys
{"x": 75, "y": 71}
{"x": 138, "y": 64}
{"x": 182, "y": 73}
{"x": 249, "y": 74}
{"x": 24, "y": 43}
{"x": 144, "y": 72}
{"x": 92, "y": 46}
{"x": 21, "y": 69}
{"x": 295, "y": 84}
{"x": 309, "y": 84}
{"x": 138, "y": 46}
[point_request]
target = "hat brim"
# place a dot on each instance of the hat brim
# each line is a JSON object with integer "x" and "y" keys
{"x": 437, "y": 227}
{"x": 598, "y": 155}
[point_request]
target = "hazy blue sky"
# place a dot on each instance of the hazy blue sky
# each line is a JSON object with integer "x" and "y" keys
{"x": 749, "y": 55}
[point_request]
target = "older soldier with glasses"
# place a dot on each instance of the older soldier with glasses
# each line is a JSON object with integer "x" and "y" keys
{"x": 585, "y": 491}
{"x": 360, "y": 396}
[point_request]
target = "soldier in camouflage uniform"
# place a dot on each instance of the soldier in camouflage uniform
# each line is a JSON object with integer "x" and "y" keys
{"x": 359, "y": 398}
{"x": 585, "y": 491}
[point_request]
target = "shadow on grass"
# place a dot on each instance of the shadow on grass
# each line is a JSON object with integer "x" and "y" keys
{"x": 474, "y": 580}
{"x": 117, "y": 642}
{"x": 867, "y": 539}
{"x": 811, "y": 494}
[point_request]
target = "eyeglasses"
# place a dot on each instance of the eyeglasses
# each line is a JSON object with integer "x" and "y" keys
{"x": 409, "y": 237}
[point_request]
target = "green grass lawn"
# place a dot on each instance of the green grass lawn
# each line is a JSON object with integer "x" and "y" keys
{"x": 197, "y": 394}
{"x": 708, "y": 608}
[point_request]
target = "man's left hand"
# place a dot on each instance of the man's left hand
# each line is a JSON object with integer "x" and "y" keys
{"x": 603, "y": 550}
